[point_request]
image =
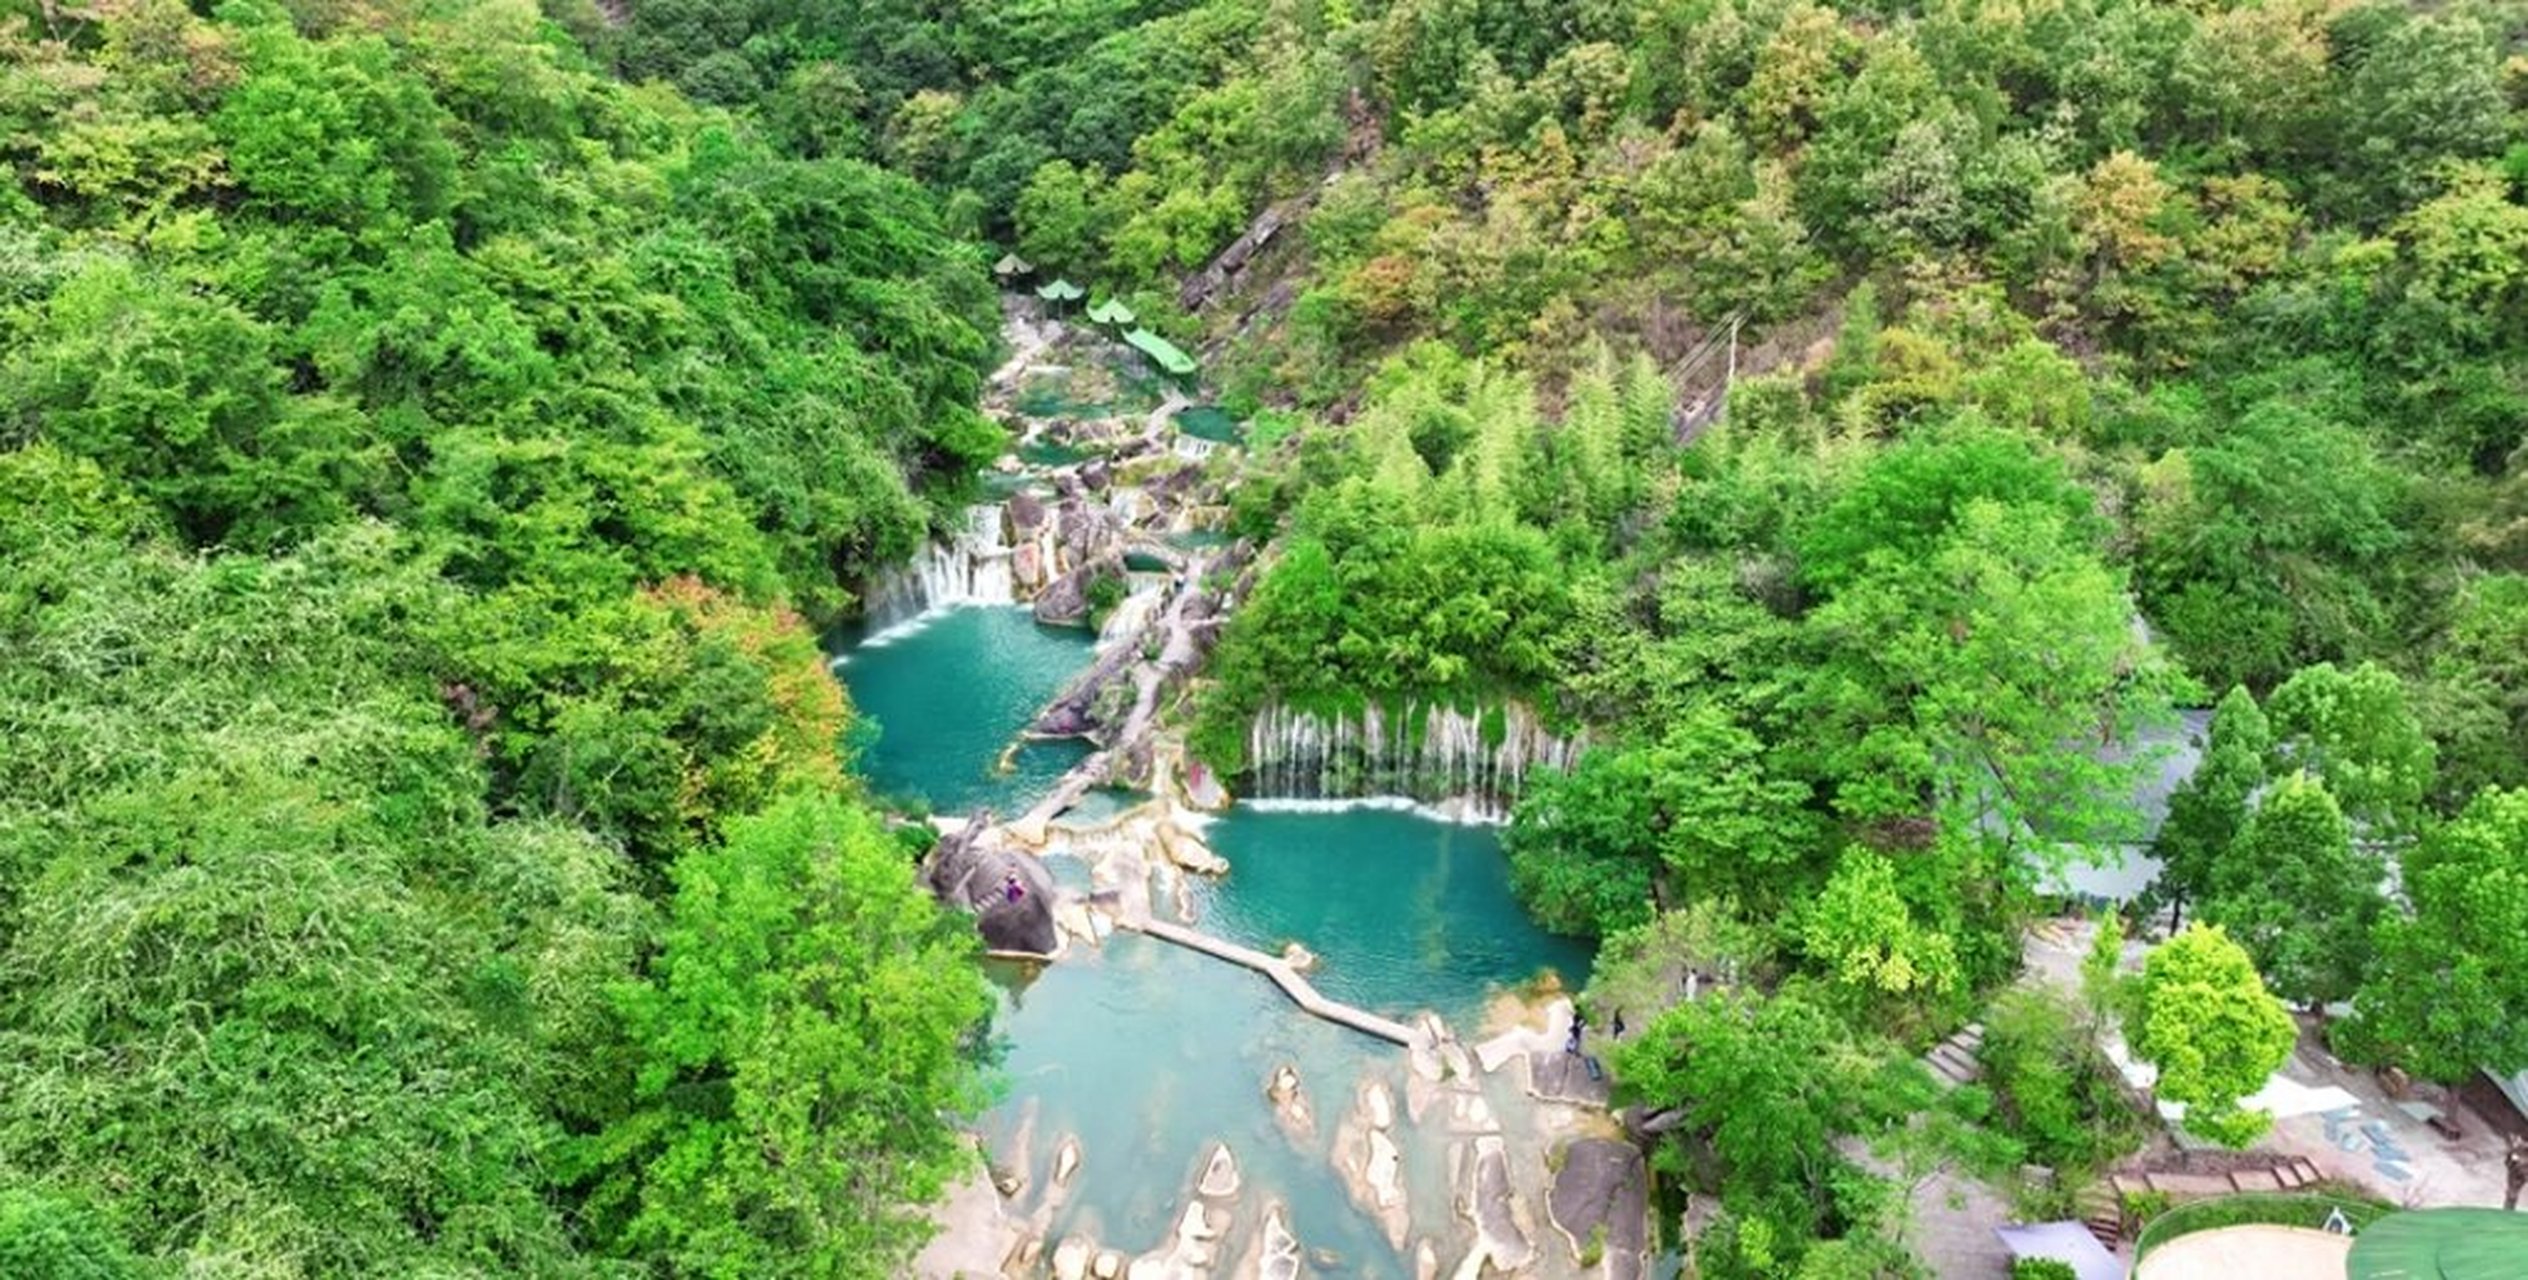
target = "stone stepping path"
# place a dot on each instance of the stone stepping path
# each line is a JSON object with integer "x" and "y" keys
{"x": 2289, "y": 1173}
{"x": 1954, "y": 1059}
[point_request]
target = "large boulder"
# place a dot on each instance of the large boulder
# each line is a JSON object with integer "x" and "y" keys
{"x": 1064, "y": 602}
{"x": 1087, "y": 706}
{"x": 1026, "y": 515}
{"x": 969, "y": 872}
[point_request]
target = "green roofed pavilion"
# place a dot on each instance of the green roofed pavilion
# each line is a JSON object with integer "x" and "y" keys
{"x": 2441, "y": 1244}
{"x": 1012, "y": 265}
{"x": 1111, "y": 311}
{"x": 1061, "y": 291}
{"x": 1162, "y": 352}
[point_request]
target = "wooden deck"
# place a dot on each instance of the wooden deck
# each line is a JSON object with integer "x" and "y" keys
{"x": 1292, "y": 983}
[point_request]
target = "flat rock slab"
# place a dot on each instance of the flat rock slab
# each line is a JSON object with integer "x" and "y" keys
{"x": 1491, "y": 1206}
{"x": 1517, "y": 1042}
{"x": 1603, "y": 1186}
{"x": 1564, "y": 1077}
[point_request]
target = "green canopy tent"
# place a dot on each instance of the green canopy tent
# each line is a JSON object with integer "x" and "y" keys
{"x": 2441, "y": 1244}
{"x": 1165, "y": 354}
{"x": 1060, "y": 291}
{"x": 1111, "y": 311}
{"x": 1011, "y": 266}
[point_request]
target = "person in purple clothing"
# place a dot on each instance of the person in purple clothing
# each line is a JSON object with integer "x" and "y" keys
{"x": 1011, "y": 889}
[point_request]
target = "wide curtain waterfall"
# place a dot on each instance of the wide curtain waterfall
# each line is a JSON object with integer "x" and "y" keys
{"x": 1434, "y": 754}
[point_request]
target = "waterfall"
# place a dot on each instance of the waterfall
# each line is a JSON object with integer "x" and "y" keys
{"x": 1470, "y": 763}
{"x": 1149, "y": 591}
{"x": 972, "y": 568}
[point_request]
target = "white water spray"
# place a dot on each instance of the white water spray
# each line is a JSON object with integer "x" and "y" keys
{"x": 1428, "y": 755}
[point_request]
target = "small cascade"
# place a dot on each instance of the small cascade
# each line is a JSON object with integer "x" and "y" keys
{"x": 1470, "y": 763}
{"x": 1149, "y": 592}
{"x": 972, "y": 568}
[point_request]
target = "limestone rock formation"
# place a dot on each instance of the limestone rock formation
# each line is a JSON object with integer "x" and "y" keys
{"x": 1220, "y": 1174}
{"x": 1603, "y": 1188}
{"x": 1187, "y": 850}
{"x": 1371, "y": 1166}
{"x": 1491, "y": 1204}
{"x": 1071, "y": 1259}
{"x": 1290, "y": 1105}
{"x": 1559, "y": 1076}
{"x": 1280, "y": 1260}
{"x": 966, "y": 870}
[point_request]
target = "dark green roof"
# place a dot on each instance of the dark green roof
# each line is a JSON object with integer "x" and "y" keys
{"x": 2441, "y": 1244}
{"x": 1111, "y": 311}
{"x": 1162, "y": 352}
{"x": 1060, "y": 291}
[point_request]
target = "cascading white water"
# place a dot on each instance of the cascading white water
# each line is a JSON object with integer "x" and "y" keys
{"x": 1130, "y": 615}
{"x": 972, "y": 568}
{"x": 1431, "y": 754}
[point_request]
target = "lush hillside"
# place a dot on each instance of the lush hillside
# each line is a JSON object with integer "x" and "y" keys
{"x": 2098, "y": 357}
{"x": 425, "y": 846}
{"x": 431, "y": 429}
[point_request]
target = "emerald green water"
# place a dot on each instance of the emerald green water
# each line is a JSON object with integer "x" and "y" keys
{"x": 1148, "y": 1053}
{"x": 1119, "y": 390}
{"x": 1100, "y": 807}
{"x": 1404, "y": 913}
{"x": 949, "y": 693}
{"x": 1209, "y": 422}
{"x": 1042, "y": 454}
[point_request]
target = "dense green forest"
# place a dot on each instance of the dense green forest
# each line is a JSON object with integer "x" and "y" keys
{"x": 426, "y": 848}
{"x": 434, "y": 429}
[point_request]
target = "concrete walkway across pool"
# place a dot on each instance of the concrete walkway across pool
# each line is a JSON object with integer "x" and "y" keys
{"x": 1299, "y": 989}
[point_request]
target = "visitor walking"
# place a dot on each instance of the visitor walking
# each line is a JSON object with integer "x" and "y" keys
{"x": 1011, "y": 889}
{"x": 1579, "y": 1023}
{"x": 1617, "y": 1029}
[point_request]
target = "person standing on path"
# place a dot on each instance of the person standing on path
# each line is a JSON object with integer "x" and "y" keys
{"x": 1011, "y": 889}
